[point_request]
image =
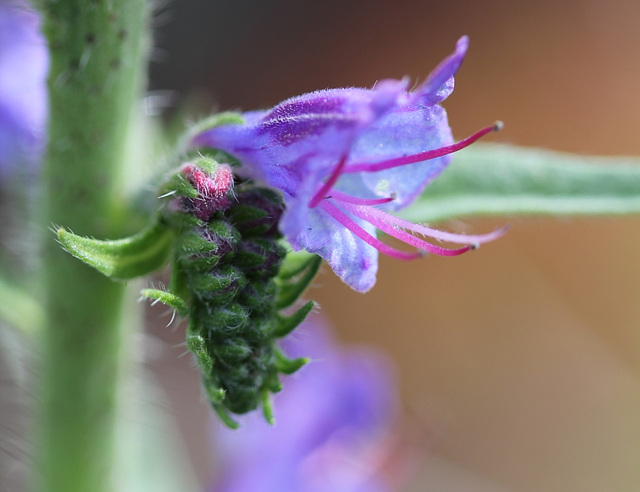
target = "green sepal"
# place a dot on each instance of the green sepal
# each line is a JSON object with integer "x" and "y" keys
{"x": 289, "y": 366}
{"x": 219, "y": 119}
{"x": 267, "y": 408}
{"x": 216, "y": 396}
{"x": 295, "y": 262}
{"x": 197, "y": 345}
{"x": 257, "y": 212}
{"x": 252, "y": 253}
{"x": 221, "y": 284}
{"x": 258, "y": 296}
{"x": 227, "y": 319}
{"x": 286, "y": 324}
{"x": 173, "y": 301}
{"x": 182, "y": 221}
{"x": 177, "y": 185}
{"x": 235, "y": 350}
{"x": 178, "y": 281}
{"x": 243, "y": 213}
{"x": 122, "y": 259}
{"x": 274, "y": 384}
{"x": 290, "y": 290}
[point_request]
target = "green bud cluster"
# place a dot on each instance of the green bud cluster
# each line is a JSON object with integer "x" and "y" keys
{"x": 227, "y": 259}
{"x": 231, "y": 276}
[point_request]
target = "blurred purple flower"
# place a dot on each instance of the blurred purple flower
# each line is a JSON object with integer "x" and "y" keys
{"x": 342, "y": 156}
{"x": 24, "y": 64}
{"x": 335, "y": 425}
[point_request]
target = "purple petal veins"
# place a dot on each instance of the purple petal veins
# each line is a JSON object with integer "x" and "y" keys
{"x": 337, "y": 155}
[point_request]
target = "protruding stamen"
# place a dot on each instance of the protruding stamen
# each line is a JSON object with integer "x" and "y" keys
{"x": 328, "y": 184}
{"x": 422, "y": 156}
{"x": 367, "y": 213}
{"x": 347, "y": 222}
{"x": 343, "y": 197}
{"x": 404, "y": 236}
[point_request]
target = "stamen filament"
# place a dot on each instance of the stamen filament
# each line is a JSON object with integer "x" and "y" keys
{"x": 367, "y": 212}
{"x": 406, "y": 237}
{"x": 422, "y": 156}
{"x": 328, "y": 184}
{"x": 343, "y": 197}
{"x": 347, "y": 222}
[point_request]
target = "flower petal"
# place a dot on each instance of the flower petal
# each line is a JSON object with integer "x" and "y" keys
{"x": 24, "y": 63}
{"x": 353, "y": 260}
{"x": 406, "y": 132}
{"x": 439, "y": 83}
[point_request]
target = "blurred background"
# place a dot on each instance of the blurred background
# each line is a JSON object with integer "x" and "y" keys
{"x": 519, "y": 362}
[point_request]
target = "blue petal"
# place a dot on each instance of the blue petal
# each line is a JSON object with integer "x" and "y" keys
{"x": 439, "y": 83}
{"x": 24, "y": 63}
{"x": 353, "y": 260}
{"x": 406, "y": 132}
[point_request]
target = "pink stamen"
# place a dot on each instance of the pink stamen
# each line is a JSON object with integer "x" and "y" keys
{"x": 327, "y": 185}
{"x": 422, "y": 156}
{"x": 343, "y": 197}
{"x": 367, "y": 213}
{"x": 405, "y": 237}
{"x": 347, "y": 222}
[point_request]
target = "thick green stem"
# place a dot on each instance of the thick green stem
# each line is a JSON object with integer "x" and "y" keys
{"x": 97, "y": 56}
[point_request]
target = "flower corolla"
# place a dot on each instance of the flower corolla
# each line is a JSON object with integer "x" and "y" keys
{"x": 344, "y": 158}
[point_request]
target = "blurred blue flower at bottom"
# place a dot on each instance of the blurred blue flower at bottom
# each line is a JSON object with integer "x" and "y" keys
{"x": 335, "y": 429}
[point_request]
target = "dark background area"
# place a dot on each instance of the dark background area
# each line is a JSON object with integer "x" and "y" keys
{"x": 524, "y": 357}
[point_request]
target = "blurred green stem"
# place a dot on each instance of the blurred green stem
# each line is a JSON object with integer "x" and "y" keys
{"x": 502, "y": 180}
{"x": 97, "y": 57}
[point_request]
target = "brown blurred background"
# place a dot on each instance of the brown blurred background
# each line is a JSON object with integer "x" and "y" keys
{"x": 523, "y": 357}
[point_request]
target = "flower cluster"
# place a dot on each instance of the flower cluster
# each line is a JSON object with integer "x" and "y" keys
{"x": 344, "y": 158}
{"x": 226, "y": 277}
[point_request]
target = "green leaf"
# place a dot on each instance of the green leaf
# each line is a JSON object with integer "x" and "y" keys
{"x": 502, "y": 180}
{"x": 122, "y": 259}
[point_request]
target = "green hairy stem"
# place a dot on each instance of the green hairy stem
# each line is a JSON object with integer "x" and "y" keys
{"x": 503, "y": 180}
{"x": 97, "y": 56}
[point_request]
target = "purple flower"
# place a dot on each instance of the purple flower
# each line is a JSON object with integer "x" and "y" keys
{"x": 335, "y": 424}
{"x": 24, "y": 64}
{"x": 343, "y": 158}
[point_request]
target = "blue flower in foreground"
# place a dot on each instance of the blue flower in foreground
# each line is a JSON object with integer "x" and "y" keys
{"x": 24, "y": 62}
{"x": 335, "y": 430}
{"x": 344, "y": 157}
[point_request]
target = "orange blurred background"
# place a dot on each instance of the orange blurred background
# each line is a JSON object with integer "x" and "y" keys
{"x": 523, "y": 357}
